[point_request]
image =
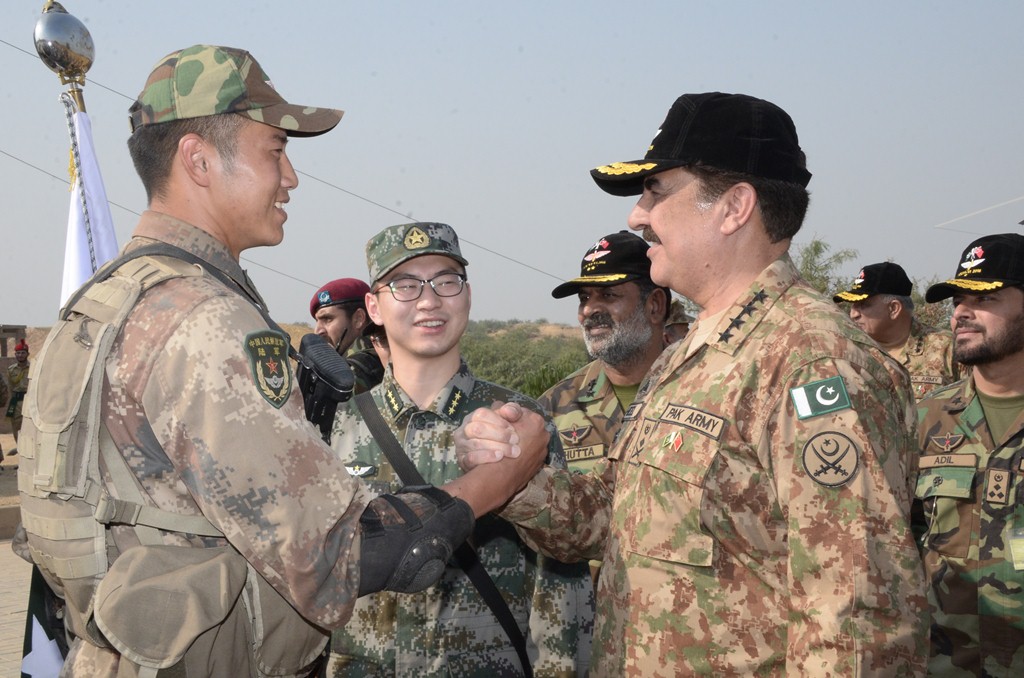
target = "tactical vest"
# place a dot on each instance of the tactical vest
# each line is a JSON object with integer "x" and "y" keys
{"x": 205, "y": 610}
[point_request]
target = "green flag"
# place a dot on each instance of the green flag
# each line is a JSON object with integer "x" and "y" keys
{"x": 819, "y": 397}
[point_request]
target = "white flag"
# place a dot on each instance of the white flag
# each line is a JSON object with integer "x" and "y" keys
{"x": 81, "y": 260}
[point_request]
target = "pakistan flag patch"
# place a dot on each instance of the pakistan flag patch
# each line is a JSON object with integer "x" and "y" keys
{"x": 820, "y": 397}
{"x": 267, "y": 352}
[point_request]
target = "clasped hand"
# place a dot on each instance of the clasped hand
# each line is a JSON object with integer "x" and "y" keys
{"x": 501, "y": 449}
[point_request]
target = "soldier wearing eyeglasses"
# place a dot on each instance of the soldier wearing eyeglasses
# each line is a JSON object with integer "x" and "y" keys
{"x": 419, "y": 293}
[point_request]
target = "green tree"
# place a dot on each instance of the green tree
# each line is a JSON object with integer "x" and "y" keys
{"x": 934, "y": 315}
{"x": 818, "y": 265}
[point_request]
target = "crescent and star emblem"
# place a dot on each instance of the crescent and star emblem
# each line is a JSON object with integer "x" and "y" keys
{"x": 831, "y": 458}
{"x": 827, "y": 389}
{"x": 831, "y": 391}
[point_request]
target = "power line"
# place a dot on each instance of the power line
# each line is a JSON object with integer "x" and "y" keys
{"x": 131, "y": 211}
{"x": 977, "y": 212}
{"x": 310, "y": 176}
{"x": 406, "y": 216}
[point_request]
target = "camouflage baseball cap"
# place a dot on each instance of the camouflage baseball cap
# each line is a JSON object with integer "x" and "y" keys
{"x": 677, "y": 314}
{"x": 397, "y": 244}
{"x": 209, "y": 80}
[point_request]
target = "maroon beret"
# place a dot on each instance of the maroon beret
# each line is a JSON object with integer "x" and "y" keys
{"x": 340, "y": 291}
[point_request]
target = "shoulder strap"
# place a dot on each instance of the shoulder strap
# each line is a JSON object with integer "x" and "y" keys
{"x": 168, "y": 250}
{"x": 130, "y": 508}
{"x": 465, "y": 554}
{"x": 389, "y": 444}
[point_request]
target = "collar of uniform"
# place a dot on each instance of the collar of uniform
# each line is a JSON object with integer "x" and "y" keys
{"x": 168, "y": 229}
{"x": 596, "y": 384}
{"x": 450, "y": 404}
{"x": 453, "y": 400}
{"x": 750, "y": 307}
{"x": 395, "y": 401}
{"x": 961, "y": 398}
{"x": 915, "y": 342}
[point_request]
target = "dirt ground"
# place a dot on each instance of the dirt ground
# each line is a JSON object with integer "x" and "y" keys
{"x": 9, "y": 476}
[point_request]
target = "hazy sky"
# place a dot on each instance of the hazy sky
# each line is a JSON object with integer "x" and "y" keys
{"x": 488, "y": 116}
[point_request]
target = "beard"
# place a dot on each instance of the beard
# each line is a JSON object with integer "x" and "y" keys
{"x": 626, "y": 342}
{"x": 992, "y": 348}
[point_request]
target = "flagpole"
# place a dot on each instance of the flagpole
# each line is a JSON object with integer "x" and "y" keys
{"x": 65, "y": 46}
{"x": 72, "y": 100}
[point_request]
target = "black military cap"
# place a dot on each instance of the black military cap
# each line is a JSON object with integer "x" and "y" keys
{"x": 612, "y": 260}
{"x": 883, "y": 278}
{"x": 989, "y": 263}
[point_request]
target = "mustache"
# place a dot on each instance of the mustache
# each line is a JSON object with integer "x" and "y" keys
{"x": 598, "y": 320}
{"x": 648, "y": 235}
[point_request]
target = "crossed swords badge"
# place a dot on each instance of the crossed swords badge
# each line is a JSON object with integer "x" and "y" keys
{"x": 831, "y": 459}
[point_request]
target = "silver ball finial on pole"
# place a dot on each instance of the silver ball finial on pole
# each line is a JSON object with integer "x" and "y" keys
{"x": 65, "y": 46}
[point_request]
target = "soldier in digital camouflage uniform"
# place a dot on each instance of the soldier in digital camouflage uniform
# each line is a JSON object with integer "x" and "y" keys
{"x": 421, "y": 298}
{"x": 880, "y": 304}
{"x": 198, "y": 393}
{"x": 622, "y": 314}
{"x": 969, "y": 485}
{"x": 753, "y": 516}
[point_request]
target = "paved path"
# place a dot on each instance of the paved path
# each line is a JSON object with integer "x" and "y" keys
{"x": 15, "y": 574}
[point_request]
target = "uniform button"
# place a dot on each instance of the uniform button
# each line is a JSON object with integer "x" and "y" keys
{"x": 937, "y": 481}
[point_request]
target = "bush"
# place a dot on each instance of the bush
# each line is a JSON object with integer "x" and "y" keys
{"x": 521, "y": 355}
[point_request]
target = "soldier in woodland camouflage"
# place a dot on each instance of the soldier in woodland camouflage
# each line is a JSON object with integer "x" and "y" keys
{"x": 17, "y": 377}
{"x": 421, "y": 298}
{"x": 338, "y": 310}
{"x": 880, "y": 304}
{"x": 970, "y": 482}
{"x": 199, "y": 417}
{"x": 753, "y": 515}
{"x": 622, "y": 313}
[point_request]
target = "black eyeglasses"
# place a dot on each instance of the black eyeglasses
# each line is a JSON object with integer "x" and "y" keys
{"x": 411, "y": 289}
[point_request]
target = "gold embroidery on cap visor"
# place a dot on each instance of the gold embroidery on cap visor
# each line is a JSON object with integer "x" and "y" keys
{"x": 847, "y": 296}
{"x": 976, "y": 285}
{"x": 612, "y": 277}
{"x": 620, "y": 168}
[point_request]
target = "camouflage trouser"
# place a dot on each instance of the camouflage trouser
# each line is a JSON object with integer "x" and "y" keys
{"x": 15, "y": 426}
{"x": 14, "y": 412}
{"x": 88, "y": 660}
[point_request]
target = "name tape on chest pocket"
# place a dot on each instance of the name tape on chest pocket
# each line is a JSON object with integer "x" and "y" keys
{"x": 585, "y": 453}
{"x": 702, "y": 422}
